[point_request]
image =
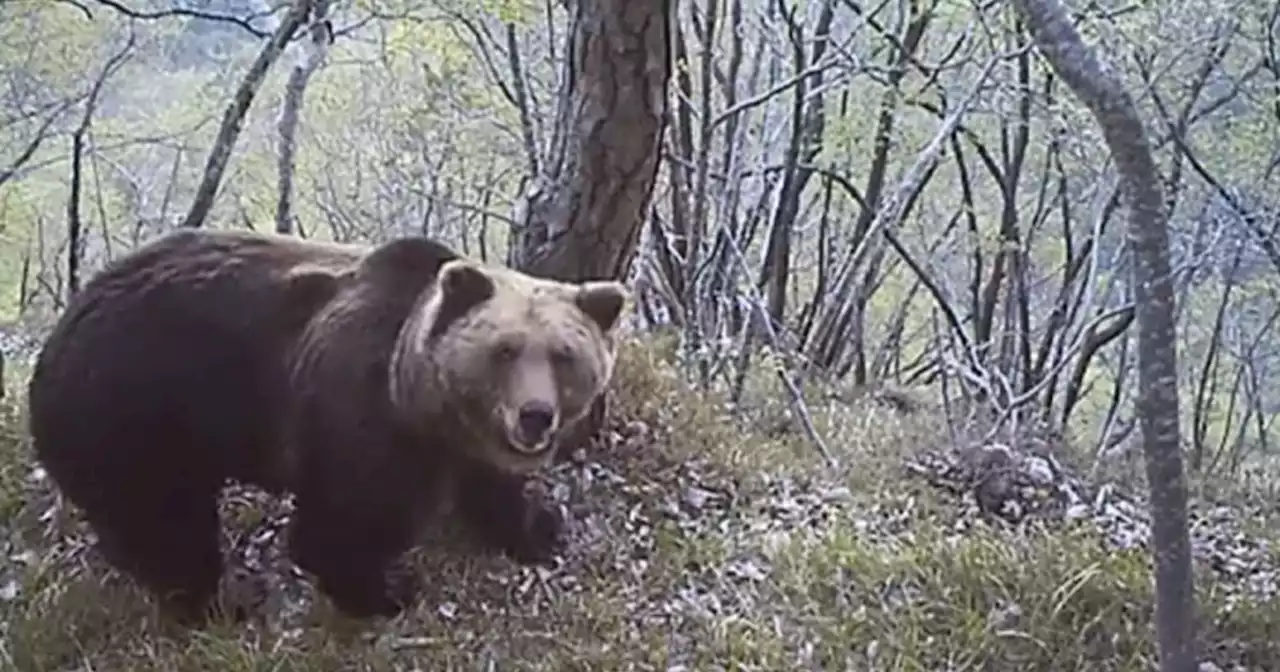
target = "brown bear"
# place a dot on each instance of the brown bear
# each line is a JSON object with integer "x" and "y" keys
{"x": 296, "y": 366}
{"x": 412, "y": 398}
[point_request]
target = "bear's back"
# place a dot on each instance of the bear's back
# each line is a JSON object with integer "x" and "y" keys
{"x": 179, "y": 343}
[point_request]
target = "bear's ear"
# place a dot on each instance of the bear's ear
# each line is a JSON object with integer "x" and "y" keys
{"x": 413, "y": 261}
{"x": 462, "y": 286}
{"x": 307, "y": 290}
{"x": 602, "y": 301}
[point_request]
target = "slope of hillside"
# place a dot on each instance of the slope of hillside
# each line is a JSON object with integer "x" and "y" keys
{"x": 698, "y": 543}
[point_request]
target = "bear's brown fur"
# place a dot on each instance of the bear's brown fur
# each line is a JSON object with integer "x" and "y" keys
{"x": 207, "y": 356}
{"x": 450, "y": 408}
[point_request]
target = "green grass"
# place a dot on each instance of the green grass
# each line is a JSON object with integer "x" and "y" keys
{"x": 698, "y": 541}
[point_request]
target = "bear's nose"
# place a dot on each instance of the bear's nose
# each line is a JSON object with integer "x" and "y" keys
{"x": 536, "y": 418}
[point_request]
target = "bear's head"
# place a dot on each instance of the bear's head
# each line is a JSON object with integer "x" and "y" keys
{"x": 507, "y": 358}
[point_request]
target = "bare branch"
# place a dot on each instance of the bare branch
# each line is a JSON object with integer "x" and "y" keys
{"x": 233, "y": 118}
{"x": 244, "y": 23}
{"x": 75, "y": 240}
{"x": 295, "y": 89}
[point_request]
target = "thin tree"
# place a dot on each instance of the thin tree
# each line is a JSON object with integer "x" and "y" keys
{"x": 1102, "y": 91}
{"x": 315, "y": 50}
{"x": 233, "y": 117}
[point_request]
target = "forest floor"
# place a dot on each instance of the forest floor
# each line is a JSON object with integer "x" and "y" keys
{"x": 699, "y": 543}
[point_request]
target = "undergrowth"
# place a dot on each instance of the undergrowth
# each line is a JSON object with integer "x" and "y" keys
{"x": 699, "y": 542}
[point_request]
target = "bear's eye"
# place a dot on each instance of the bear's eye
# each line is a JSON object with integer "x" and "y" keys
{"x": 561, "y": 355}
{"x": 505, "y": 352}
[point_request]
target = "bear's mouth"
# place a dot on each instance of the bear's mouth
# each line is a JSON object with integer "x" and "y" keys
{"x": 521, "y": 457}
{"x": 530, "y": 429}
{"x": 530, "y": 446}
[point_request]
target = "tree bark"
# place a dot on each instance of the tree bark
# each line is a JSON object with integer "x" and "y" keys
{"x": 581, "y": 214}
{"x": 1103, "y": 93}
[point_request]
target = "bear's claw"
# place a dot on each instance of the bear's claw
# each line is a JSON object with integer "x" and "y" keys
{"x": 541, "y": 537}
{"x": 394, "y": 593}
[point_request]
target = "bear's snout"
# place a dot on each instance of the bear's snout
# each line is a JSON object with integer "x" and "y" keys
{"x": 536, "y": 419}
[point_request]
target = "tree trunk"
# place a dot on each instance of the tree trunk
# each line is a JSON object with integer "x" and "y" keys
{"x": 581, "y": 215}
{"x": 1102, "y": 91}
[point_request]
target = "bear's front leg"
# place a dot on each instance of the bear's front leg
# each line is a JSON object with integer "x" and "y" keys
{"x": 354, "y": 558}
{"x": 500, "y": 514}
